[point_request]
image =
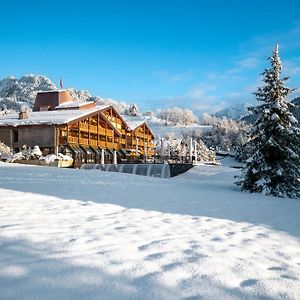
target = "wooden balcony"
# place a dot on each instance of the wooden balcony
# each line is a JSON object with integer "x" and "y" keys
{"x": 101, "y": 144}
{"x": 72, "y": 140}
{"x": 83, "y": 141}
{"x": 109, "y": 132}
{"x": 84, "y": 127}
{"x": 93, "y": 129}
{"x": 94, "y": 143}
{"x": 111, "y": 145}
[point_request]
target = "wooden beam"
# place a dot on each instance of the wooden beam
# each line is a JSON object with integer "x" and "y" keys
{"x": 98, "y": 129}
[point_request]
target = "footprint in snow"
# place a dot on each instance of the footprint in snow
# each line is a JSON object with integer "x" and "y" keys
{"x": 195, "y": 258}
{"x": 154, "y": 256}
{"x": 248, "y": 282}
{"x": 146, "y": 246}
{"x": 171, "y": 266}
{"x": 142, "y": 279}
{"x": 120, "y": 228}
{"x": 217, "y": 239}
{"x": 281, "y": 254}
{"x": 262, "y": 235}
{"x": 276, "y": 268}
{"x": 286, "y": 276}
{"x": 247, "y": 241}
{"x": 229, "y": 233}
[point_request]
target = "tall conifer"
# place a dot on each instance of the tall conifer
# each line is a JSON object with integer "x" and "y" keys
{"x": 273, "y": 166}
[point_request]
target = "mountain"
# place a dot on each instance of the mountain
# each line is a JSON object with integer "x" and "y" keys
{"x": 16, "y": 93}
{"x": 235, "y": 112}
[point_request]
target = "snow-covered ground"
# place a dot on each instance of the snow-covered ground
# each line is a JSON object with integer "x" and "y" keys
{"x": 161, "y": 131}
{"x": 78, "y": 234}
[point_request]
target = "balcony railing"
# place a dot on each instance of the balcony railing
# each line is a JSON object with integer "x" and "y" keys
{"x": 93, "y": 128}
{"x": 72, "y": 140}
{"x": 83, "y": 141}
{"x": 84, "y": 127}
{"x": 111, "y": 145}
{"x": 101, "y": 144}
{"x": 94, "y": 143}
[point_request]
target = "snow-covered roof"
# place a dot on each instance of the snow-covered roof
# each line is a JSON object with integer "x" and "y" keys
{"x": 54, "y": 117}
{"x": 134, "y": 122}
{"x": 74, "y": 104}
{"x": 53, "y": 91}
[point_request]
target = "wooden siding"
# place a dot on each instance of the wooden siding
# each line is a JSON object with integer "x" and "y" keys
{"x": 6, "y": 136}
{"x": 104, "y": 129}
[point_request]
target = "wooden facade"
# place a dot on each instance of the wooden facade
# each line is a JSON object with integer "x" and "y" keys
{"x": 98, "y": 129}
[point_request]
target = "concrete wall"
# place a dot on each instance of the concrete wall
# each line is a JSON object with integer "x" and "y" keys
{"x": 30, "y": 136}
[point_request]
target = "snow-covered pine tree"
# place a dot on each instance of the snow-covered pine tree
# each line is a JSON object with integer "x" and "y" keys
{"x": 273, "y": 166}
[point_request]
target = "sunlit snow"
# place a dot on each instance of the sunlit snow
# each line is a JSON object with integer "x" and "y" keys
{"x": 88, "y": 234}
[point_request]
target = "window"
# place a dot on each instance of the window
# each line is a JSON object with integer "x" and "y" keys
{"x": 15, "y": 136}
{"x": 63, "y": 133}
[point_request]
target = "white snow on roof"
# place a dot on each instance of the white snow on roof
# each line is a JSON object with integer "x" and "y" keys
{"x": 53, "y": 91}
{"x": 54, "y": 117}
{"x": 74, "y": 104}
{"x": 134, "y": 122}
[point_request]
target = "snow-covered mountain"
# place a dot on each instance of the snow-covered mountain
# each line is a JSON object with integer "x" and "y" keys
{"x": 235, "y": 112}
{"x": 15, "y": 93}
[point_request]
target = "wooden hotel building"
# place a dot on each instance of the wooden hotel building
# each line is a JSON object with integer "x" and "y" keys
{"x": 79, "y": 129}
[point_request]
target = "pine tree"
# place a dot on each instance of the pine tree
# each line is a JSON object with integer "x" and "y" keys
{"x": 273, "y": 166}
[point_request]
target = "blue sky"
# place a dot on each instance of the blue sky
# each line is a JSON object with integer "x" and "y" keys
{"x": 202, "y": 55}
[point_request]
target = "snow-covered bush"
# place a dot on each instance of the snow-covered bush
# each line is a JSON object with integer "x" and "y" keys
{"x": 52, "y": 158}
{"x": 224, "y": 134}
{"x": 4, "y": 151}
{"x": 121, "y": 107}
{"x": 26, "y": 154}
{"x": 208, "y": 119}
{"x": 177, "y": 116}
{"x": 178, "y": 150}
{"x": 132, "y": 110}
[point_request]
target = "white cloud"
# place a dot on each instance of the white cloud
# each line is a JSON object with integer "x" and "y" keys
{"x": 223, "y": 87}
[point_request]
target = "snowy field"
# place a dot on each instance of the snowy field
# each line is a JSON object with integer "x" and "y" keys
{"x": 162, "y": 131}
{"x": 78, "y": 234}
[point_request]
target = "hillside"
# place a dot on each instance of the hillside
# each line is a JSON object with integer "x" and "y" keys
{"x": 235, "y": 112}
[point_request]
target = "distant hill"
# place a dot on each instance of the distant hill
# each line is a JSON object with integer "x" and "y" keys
{"x": 235, "y": 112}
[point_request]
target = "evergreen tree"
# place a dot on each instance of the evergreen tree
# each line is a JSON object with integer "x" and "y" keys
{"x": 273, "y": 166}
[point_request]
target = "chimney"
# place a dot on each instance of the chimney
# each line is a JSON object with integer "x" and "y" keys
{"x": 23, "y": 114}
